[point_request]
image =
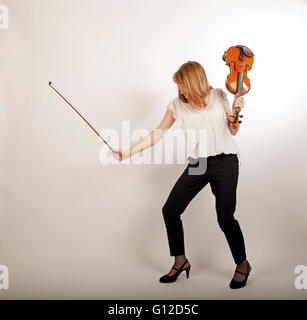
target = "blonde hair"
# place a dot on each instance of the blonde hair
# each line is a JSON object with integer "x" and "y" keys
{"x": 193, "y": 77}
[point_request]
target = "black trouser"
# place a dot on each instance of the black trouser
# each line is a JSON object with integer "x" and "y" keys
{"x": 222, "y": 172}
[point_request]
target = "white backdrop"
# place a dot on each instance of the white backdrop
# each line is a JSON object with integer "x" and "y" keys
{"x": 74, "y": 228}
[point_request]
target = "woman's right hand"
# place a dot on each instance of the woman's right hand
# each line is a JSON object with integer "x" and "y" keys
{"x": 120, "y": 155}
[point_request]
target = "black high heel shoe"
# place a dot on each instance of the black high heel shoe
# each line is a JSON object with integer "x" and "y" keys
{"x": 167, "y": 279}
{"x": 239, "y": 284}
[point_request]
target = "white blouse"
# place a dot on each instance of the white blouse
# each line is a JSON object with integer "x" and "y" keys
{"x": 210, "y": 124}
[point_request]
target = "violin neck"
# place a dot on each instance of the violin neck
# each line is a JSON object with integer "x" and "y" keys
{"x": 240, "y": 83}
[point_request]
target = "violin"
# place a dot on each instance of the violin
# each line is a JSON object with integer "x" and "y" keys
{"x": 239, "y": 59}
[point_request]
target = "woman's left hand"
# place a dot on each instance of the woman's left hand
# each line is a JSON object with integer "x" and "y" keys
{"x": 237, "y": 102}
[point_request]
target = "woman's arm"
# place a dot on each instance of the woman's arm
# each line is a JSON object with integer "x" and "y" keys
{"x": 148, "y": 141}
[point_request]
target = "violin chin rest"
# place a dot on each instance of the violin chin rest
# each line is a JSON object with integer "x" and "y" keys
{"x": 247, "y": 51}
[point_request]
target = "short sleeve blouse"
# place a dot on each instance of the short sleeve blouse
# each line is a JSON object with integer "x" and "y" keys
{"x": 212, "y": 119}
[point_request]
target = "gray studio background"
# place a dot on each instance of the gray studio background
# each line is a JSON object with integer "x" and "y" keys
{"x": 72, "y": 228}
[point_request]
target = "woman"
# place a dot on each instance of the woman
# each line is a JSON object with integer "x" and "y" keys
{"x": 198, "y": 105}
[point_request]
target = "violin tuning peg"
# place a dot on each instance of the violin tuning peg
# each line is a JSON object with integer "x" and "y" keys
{"x": 239, "y": 121}
{"x": 241, "y": 115}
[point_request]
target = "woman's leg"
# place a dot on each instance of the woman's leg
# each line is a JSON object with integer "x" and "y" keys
{"x": 184, "y": 190}
{"x": 223, "y": 182}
